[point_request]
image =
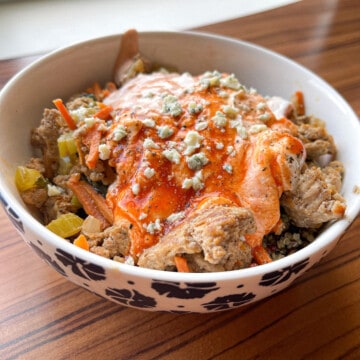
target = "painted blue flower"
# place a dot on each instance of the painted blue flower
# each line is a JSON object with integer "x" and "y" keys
{"x": 229, "y": 301}
{"x": 14, "y": 218}
{"x": 81, "y": 267}
{"x": 131, "y": 298}
{"x": 276, "y": 277}
{"x": 186, "y": 291}
{"x": 47, "y": 258}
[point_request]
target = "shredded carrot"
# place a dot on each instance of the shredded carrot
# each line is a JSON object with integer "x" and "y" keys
{"x": 82, "y": 242}
{"x": 101, "y": 105}
{"x": 299, "y": 102}
{"x": 101, "y": 93}
{"x": 105, "y": 93}
{"x": 111, "y": 86}
{"x": 260, "y": 255}
{"x": 65, "y": 114}
{"x": 92, "y": 140}
{"x": 181, "y": 264}
{"x": 98, "y": 92}
{"x": 93, "y": 203}
{"x": 80, "y": 151}
{"x": 104, "y": 112}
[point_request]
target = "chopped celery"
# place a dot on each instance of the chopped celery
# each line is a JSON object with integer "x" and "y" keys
{"x": 66, "y": 225}
{"x": 66, "y": 145}
{"x": 26, "y": 178}
{"x": 65, "y": 165}
{"x": 75, "y": 202}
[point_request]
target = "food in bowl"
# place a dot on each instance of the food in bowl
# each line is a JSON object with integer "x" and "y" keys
{"x": 181, "y": 172}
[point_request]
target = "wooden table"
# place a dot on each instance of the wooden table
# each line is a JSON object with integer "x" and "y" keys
{"x": 43, "y": 316}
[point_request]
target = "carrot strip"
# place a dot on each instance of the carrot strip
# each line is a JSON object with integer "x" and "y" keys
{"x": 80, "y": 152}
{"x": 299, "y": 102}
{"x": 101, "y": 105}
{"x": 92, "y": 140}
{"x": 93, "y": 203}
{"x": 65, "y": 114}
{"x": 105, "y": 93}
{"x": 111, "y": 86}
{"x": 181, "y": 264}
{"x": 104, "y": 113}
{"x": 96, "y": 90}
{"x": 100, "y": 93}
{"x": 260, "y": 255}
{"x": 82, "y": 242}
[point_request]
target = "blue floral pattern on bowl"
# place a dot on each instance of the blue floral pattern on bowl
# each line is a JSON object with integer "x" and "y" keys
{"x": 14, "y": 218}
{"x": 151, "y": 296}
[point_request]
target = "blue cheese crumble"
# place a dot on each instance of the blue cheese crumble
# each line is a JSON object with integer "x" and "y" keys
{"x": 264, "y": 117}
{"x": 149, "y": 172}
{"x": 104, "y": 152}
{"x": 230, "y": 111}
{"x": 119, "y": 133}
{"x": 164, "y": 131}
{"x": 228, "y": 168}
{"x": 230, "y": 82}
{"x": 175, "y": 217}
{"x": 201, "y": 125}
{"x": 219, "y": 119}
{"x": 150, "y": 123}
{"x": 152, "y": 227}
{"x": 193, "y": 141}
{"x": 196, "y": 182}
{"x": 256, "y": 128}
{"x": 172, "y": 155}
{"x": 135, "y": 188}
{"x": 197, "y": 161}
{"x": 150, "y": 144}
{"x": 194, "y": 108}
{"x": 171, "y": 106}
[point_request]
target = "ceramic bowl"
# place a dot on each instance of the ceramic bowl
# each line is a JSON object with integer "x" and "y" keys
{"x": 72, "y": 69}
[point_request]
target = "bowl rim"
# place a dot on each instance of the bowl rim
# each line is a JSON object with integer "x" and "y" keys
{"x": 323, "y": 240}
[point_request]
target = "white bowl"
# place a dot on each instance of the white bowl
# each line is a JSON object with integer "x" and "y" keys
{"x": 66, "y": 71}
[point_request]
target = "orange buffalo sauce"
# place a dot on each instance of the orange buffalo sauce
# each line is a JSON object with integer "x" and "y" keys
{"x": 178, "y": 141}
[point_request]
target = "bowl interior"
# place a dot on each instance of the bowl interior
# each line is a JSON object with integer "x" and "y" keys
{"x": 70, "y": 70}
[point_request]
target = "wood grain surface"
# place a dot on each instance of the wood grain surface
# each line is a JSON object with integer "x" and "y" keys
{"x": 43, "y": 316}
